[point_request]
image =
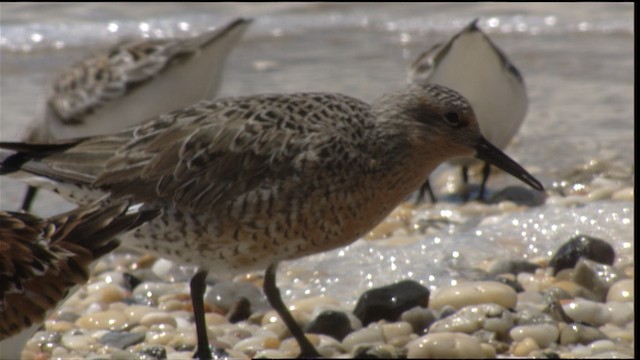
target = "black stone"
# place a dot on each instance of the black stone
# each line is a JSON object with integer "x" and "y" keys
{"x": 131, "y": 281}
{"x": 122, "y": 340}
{"x": 239, "y": 311}
{"x": 389, "y": 302}
{"x": 581, "y": 246}
{"x": 332, "y": 323}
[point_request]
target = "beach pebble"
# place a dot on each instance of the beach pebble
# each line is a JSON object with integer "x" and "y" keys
{"x": 270, "y": 354}
{"x": 580, "y": 334}
{"x": 621, "y": 313}
{"x": 380, "y": 351}
{"x": 332, "y": 323}
{"x": 372, "y": 334}
{"x": 122, "y": 340}
{"x": 172, "y": 272}
{"x": 314, "y": 303}
{"x": 490, "y": 317}
{"x": 135, "y": 313}
{"x": 59, "y": 325}
{"x": 582, "y": 246}
{"x": 445, "y": 346}
{"x": 513, "y": 267}
{"x": 290, "y": 345}
{"x": 106, "y": 320}
{"x": 419, "y": 318}
{"x": 618, "y": 333}
{"x": 156, "y": 318}
{"x": 77, "y": 342}
{"x": 254, "y": 344}
{"x": 397, "y": 334}
{"x": 621, "y": 291}
{"x": 148, "y": 293}
{"x": 575, "y": 290}
{"x": 590, "y": 312}
{"x": 625, "y": 194}
{"x": 542, "y": 334}
{"x": 503, "y": 279}
{"x": 472, "y": 293}
{"x": 389, "y": 302}
{"x": 524, "y": 347}
{"x": 596, "y": 277}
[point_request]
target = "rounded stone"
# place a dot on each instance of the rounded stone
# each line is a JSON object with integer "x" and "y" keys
{"x": 103, "y": 320}
{"x": 524, "y": 347}
{"x": 389, "y": 302}
{"x": 419, "y": 318}
{"x": 332, "y": 323}
{"x": 580, "y": 334}
{"x": 445, "y": 346}
{"x": 253, "y": 344}
{"x": 473, "y": 293}
{"x": 59, "y": 326}
{"x": 586, "y": 311}
{"x": 149, "y": 292}
{"x": 157, "y": 318}
{"x": 622, "y": 313}
{"x": 581, "y": 246}
{"x": 621, "y": 291}
{"x": 370, "y": 335}
{"x": 490, "y": 317}
{"x": 77, "y": 342}
{"x": 122, "y": 340}
{"x": 397, "y": 330}
{"x": 542, "y": 334}
{"x": 596, "y": 277}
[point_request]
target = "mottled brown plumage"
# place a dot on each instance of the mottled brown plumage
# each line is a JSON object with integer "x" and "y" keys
{"x": 41, "y": 260}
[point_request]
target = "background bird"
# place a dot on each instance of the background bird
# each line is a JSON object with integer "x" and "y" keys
{"x": 474, "y": 66}
{"x": 132, "y": 81}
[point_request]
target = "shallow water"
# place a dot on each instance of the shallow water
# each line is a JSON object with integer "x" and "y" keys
{"x": 577, "y": 61}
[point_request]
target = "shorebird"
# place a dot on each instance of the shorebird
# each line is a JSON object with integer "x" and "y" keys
{"x": 474, "y": 66}
{"x": 244, "y": 183}
{"x": 132, "y": 81}
{"x": 41, "y": 260}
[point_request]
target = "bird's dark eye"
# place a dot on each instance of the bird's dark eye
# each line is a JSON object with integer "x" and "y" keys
{"x": 453, "y": 119}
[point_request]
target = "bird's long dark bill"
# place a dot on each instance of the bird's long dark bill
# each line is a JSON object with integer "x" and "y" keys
{"x": 494, "y": 156}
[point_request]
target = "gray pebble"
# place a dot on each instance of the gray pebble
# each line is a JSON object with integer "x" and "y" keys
{"x": 122, "y": 340}
{"x": 596, "y": 277}
{"x": 580, "y": 334}
{"x": 419, "y": 318}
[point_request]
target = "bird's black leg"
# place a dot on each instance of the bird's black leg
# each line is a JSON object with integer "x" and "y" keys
{"x": 28, "y": 198}
{"x": 198, "y": 286}
{"x": 426, "y": 187}
{"x": 272, "y": 293}
{"x": 486, "y": 171}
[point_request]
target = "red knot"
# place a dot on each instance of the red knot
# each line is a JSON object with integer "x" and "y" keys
{"x": 471, "y": 64}
{"x": 132, "y": 81}
{"x": 246, "y": 182}
{"x": 41, "y": 260}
